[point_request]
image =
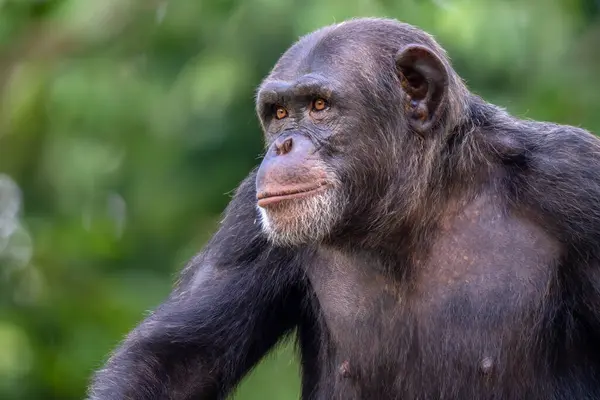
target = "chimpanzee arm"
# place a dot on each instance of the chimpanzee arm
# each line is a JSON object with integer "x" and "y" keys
{"x": 233, "y": 302}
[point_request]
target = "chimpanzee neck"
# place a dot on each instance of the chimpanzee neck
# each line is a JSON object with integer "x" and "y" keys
{"x": 390, "y": 246}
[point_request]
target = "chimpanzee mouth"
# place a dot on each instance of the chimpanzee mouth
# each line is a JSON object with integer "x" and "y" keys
{"x": 266, "y": 199}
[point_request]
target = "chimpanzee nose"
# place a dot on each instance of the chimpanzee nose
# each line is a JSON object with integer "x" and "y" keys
{"x": 292, "y": 146}
{"x": 283, "y": 146}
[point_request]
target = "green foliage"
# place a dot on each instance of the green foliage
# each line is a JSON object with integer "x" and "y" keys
{"x": 125, "y": 125}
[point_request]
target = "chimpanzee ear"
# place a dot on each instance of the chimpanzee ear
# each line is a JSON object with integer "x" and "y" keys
{"x": 424, "y": 79}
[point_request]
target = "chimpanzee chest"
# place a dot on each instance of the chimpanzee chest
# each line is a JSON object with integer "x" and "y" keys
{"x": 472, "y": 310}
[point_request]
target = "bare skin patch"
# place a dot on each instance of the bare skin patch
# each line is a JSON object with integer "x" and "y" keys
{"x": 482, "y": 249}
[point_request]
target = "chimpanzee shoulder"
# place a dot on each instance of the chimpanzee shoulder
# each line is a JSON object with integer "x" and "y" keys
{"x": 555, "y": 174}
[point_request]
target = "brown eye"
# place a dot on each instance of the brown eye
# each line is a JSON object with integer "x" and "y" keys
{"x": 319, "y": 104}
{"x": 280, "y": 113}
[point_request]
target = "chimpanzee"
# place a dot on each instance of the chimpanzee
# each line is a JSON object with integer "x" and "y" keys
{"x": 420, "y": 242}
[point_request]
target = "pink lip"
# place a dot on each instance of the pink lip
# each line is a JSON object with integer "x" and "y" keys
{"x": 265, "y": 198}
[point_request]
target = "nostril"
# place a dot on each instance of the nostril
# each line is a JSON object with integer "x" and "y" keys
{"x": 284, "y": 147}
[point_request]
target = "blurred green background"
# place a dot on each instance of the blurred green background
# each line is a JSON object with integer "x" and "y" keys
{"x": 125, "y": 125}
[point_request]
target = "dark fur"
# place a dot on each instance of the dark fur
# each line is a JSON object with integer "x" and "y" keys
{"x": 465, "y": 266}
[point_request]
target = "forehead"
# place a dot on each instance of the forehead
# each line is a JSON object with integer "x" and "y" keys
{"x": 334, "y": 55}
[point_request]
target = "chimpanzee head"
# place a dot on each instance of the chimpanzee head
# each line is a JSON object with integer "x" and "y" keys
{"x": 350, "y": 115}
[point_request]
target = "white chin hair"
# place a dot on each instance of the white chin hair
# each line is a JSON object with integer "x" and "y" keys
{"x": 299, "y": 221}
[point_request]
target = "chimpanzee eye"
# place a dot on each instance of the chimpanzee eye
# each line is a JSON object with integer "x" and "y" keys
{"x": 280, "y": 112}
{"x": 319, "y": 104}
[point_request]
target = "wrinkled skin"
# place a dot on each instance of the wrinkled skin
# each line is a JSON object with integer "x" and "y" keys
{"x": 422, "y": 243}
